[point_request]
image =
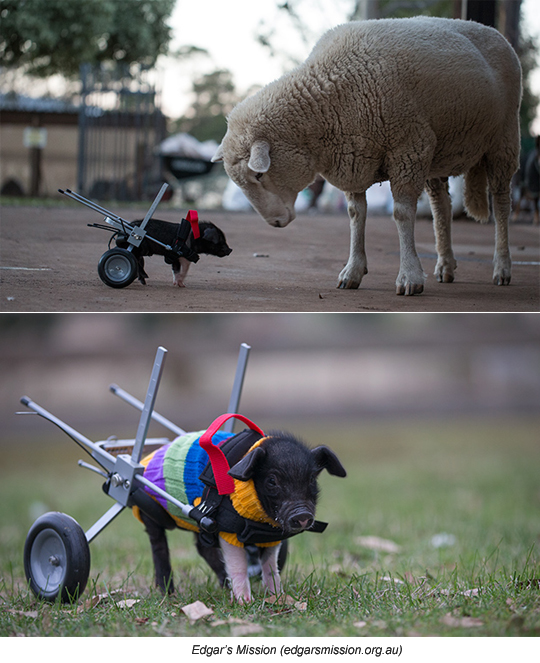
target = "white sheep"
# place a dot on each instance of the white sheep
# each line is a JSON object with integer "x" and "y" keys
{"x": 412, "y": 101}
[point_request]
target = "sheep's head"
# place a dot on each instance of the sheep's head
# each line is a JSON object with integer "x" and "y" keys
{"x": 270, "y": 176}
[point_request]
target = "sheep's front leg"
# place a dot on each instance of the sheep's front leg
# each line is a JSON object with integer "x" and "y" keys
{"x": 270, "y": 571}
{"x": 411, "y": 277}
{"x": 352, "y": 274}
{"x": 441, "y": 207}
{"x": 236, "y": 565}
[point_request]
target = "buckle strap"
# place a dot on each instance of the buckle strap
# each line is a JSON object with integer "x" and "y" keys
{"x": 179, "y": 246}
{"x": 220, "y": 465}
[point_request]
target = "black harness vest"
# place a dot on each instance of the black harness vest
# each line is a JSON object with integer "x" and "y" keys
{"x": 219, "y": 507}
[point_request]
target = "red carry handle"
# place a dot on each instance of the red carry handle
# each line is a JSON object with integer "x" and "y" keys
{"x": 220, "y": 465}
{"x": 193, "y": 219}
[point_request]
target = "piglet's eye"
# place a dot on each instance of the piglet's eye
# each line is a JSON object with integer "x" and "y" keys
{"x": 258, "y": 176}
{"x": 271, "y": 483}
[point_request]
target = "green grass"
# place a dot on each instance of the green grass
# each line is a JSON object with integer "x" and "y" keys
{"x": 407, "y": 482}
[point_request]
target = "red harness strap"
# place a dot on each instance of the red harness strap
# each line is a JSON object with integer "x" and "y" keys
{"x": 220, "y": 465}
{"x": 193, "y": 219}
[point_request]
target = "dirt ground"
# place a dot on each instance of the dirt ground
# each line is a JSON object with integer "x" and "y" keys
{"x": 49, "y": 263}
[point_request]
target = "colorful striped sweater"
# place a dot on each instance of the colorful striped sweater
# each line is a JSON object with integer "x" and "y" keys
{"x": 176, "y": 468}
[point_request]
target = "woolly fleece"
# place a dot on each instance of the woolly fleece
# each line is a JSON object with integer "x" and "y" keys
{"x": 412, "y": 101}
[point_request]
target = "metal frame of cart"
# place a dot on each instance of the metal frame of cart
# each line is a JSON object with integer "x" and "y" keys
{"x": 118, "y": 267}
{"x": 56, "y": 552}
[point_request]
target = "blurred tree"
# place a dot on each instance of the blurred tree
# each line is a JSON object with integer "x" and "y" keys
{"x": 47, "y": 37}
{"x": 368, "y": 9}
{"x": 482, "y": 11}
{"x": 215, "y": 97}
{"x": 528, "y": 55}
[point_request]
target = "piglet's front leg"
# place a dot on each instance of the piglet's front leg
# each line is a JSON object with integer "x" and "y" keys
{"x": 236, "y": 565}
{"x": 180, "y": 270}
{"x": 270, "y": 570}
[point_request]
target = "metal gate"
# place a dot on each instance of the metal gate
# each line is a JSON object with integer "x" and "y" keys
{"x": 120, "y": 125}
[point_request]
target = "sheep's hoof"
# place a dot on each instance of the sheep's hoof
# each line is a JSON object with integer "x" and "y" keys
{"x": 444, "y": 270}
{"x": 350, "y": 278}
{"x": 409, "y": 289}
{"x": 502, "y": 275}
{"x": 445, "y": 277}
{"x": 501, "y": 279}
{"x": 347, "y": 284}
{"x": 502, "y": 270}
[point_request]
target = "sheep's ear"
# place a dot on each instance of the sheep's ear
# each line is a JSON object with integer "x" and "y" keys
{"x": 259, "y": 160}
{"x": 218, "y": 156}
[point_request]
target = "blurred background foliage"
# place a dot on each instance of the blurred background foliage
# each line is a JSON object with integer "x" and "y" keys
{"x": 47, "y": 37}
{"x": 43, "y": 38}
{"x": 301, "y": 365}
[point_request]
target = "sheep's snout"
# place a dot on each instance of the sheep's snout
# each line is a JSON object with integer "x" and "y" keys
{"x": 282, "y": 220}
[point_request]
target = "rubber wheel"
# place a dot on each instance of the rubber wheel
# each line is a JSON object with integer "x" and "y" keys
{"x": 117, "y": 268}
{"x": 56, "y": 557}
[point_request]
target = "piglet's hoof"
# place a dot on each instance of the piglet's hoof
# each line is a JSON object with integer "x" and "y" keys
{"x": 409, "y": 289}
{"x": 244, "y": 599}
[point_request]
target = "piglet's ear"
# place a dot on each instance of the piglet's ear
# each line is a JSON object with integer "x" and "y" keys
{"x": 259, "y": 160}
{"x": 326, "y": 459}
{"x": 245, "y": 468}
{"x": 218, "y": 156}
{"x": 210, "y": 234}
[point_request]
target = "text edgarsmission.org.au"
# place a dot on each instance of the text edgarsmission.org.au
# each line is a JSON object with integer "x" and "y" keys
{"x": 296, "y": 650}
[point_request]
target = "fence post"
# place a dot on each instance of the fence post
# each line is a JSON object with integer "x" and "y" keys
{"x": 83, "y": 118}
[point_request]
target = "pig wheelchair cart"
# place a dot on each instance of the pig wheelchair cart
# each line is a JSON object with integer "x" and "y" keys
{"x": 118, "y": 267}
{"x": 56, "y": 550}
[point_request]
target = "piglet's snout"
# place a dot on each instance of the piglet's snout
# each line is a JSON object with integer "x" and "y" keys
{"x": 300, "y": 521}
